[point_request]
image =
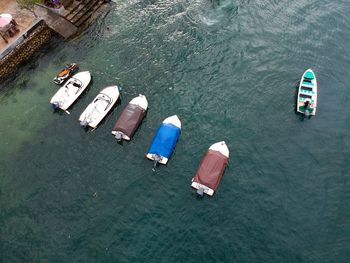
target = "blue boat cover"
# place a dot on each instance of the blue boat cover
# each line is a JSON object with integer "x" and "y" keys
{"x": 165, "y": 140}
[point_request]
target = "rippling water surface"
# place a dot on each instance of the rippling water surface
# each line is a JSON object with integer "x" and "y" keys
{"x": 229, "y": 69}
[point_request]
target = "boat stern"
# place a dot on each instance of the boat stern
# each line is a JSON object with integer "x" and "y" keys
{"x": 120, "y": 136}
{"x": 202, "y": 188}
{"x": 154, "y": 157}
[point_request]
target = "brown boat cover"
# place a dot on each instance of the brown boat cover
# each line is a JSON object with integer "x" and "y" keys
{"x": 211, "y": 169}
{"x": 129, "y": 120}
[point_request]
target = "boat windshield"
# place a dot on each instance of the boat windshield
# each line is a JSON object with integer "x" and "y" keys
{"x": 104, "y": 101}
{"x": 74, "y": 85}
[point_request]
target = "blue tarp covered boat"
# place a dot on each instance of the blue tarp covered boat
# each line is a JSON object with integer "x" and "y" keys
{"x": 164, "y": 141}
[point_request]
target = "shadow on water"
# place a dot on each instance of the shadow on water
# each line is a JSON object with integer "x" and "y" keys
{"x": 58, "y": 112}
{"x": 121, "y": 142}
{"x": 300, "y": 115}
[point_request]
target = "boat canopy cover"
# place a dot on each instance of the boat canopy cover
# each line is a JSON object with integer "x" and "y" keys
{"x": 129, "y": 120}
{"x": 211, "y": 169}
{"x": 165, "y": 140}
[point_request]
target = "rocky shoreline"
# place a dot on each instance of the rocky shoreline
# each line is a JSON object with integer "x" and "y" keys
{"x": 30, "y": 41}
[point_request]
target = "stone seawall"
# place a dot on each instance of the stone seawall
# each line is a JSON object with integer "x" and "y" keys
{"x": 24, "y": 48}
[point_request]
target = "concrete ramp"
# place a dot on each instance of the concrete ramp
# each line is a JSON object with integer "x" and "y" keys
{"x": 55, "y": 21}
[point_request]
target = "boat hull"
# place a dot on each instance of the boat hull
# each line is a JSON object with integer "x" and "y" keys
{"x": 307, "y": 91}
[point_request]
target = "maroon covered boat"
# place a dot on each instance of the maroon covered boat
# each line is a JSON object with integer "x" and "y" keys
{"x": 211, "y": 169}
{"x": 130, "y": 119}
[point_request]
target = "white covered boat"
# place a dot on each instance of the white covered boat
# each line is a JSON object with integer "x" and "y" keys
{"x": 211, "y": 169}
{"x": 99, "y": 107}
{"x": 68, "y": 93}
{"x": 130, "y": 119}
{"x": 307, "y": 94}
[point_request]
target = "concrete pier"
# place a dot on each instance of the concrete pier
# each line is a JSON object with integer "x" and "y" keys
{"x": 56, "y": 22}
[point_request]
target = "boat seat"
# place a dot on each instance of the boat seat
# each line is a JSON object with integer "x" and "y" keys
{"x": 308, "y": 83}
{"x": 306, "y": 88}
{"x": 305, "y": 96}
{"x": 302, "y": 108}
{"x": 307, "y": 91}
{"x": 303, "y": 99}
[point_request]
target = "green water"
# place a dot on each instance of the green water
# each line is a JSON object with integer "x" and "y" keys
{"x": 228, "y": 69}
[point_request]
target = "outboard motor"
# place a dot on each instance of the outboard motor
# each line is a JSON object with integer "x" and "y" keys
{"x": 200, "y": 192}
{"x": 307, "y": 106}
{"x": 155, "y": 161}
{"x": 84, "y": 123}
{"x": 55, "y": 106}
{"x": 119, "y": 136}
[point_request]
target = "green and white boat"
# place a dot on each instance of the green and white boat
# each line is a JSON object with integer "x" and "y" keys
{"x": 307, "y": 94}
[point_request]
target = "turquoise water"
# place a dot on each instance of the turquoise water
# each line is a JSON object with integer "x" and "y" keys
{"x": 229, "y": 70}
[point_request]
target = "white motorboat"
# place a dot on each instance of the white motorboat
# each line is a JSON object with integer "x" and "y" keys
{"x": 68, "y": 93}
{"x": 99, "y": 107}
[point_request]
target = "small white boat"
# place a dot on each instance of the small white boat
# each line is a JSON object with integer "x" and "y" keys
{"x": 130, "y": 119}
{"x": 165, "y": 140}
{"x": 68, "y": 93}
{"x": 307, "y": 94}
{"x": 99, "y": 107}
{"x": 211, "y": 169}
